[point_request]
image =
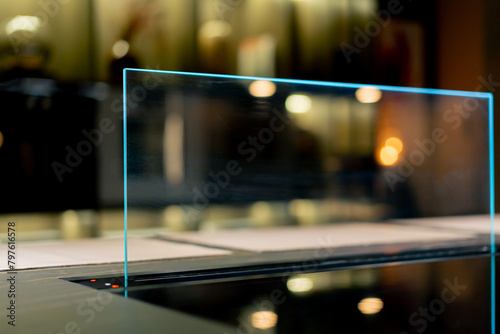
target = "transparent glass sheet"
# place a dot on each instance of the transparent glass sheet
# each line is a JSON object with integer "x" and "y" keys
{"x": 258, "y": 171}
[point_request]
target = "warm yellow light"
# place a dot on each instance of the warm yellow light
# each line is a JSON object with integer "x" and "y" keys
{"x": 120, "y": 49}
{"x": 370, "y": 305}
{"x": 264, "y": 319}
{"x": 262, "y": 88}
{"x": 215, "y": 29}
{"x": 299, "y": 284}
{"x": 396, "y": 143}
{"x": 298, "y": 103}
{"x": 368, "y": 94}
{"x": 23, "y": 23}
{"x": 388, "y": 155}
{"x": 1, "y": 139}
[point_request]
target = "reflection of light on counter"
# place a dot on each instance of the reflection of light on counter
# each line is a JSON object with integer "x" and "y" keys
{"x": 120, "y": 49}
{"x": 262, "y": 88}
{"x": 370, "y": 305}
{"x": 1, "y": 139}
{"x": 388, "y": 155}
{"x": 215, "y": 29}
{"x": 368, "y": 94}
{"x": 396, "y": 143}
{"x": 298, "y": 103}
{"x": 264, "y": 319}
{"x": 22, "y": 23}
{"x": 299, "y": 284}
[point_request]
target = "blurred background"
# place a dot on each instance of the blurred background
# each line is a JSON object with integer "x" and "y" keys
{"x": 61, "y": 67}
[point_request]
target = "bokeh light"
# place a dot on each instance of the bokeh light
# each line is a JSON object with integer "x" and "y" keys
{"x": 370, "y": 305}
{"x": 388, "y": 156}
{"x": 368, "y": 94}
{"x": 299, "y": 284}
{"x": 264, "y": 319}
{"x": 120, "y": 49}
{"x": 298, "y": 103}
{"x": 396, "y": 143}
{"x": 262, "y": 88}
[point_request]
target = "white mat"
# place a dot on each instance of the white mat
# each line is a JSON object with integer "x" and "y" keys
{"x": 473, "y": 223}
{"x": 99, "y": 251}
{"x": 326, "y": 236}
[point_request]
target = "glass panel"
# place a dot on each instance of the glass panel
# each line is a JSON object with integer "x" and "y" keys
{"x": 257, "y": 172}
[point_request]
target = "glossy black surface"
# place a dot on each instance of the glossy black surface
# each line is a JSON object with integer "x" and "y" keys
{"x": 448, "y": 296}
{"x": 437, "y": 297}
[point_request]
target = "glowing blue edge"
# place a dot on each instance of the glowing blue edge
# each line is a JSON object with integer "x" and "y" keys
{"x": 492, "y": 214}
{"x": 432, "y": 91}
{"x": 327, "y": 83}
{"x": 125, "y": 177}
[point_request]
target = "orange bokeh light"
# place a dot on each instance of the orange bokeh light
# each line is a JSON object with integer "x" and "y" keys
{"x": 396, "y": 143}
{"x": 388, "y": 156}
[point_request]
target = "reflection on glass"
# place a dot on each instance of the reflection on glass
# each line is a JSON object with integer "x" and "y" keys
{"x": 368, "y": 94}
{"x": 262, "y": 88}
{"x": 370, "y": 305}
{"x": 298, "y": 103}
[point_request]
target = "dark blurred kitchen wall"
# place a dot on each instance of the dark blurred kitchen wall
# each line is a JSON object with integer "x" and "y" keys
{"x": 61, "y": 62}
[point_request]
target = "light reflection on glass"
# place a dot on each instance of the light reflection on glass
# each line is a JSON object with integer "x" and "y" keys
{"x": 368, "y": 94}
{"x": 262, "y": 88}
{"x": 370, "y": 305}
{"x": 298, "y": 103}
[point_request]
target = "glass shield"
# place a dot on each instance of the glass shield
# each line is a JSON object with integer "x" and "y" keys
{"x": 260, "y": 173}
